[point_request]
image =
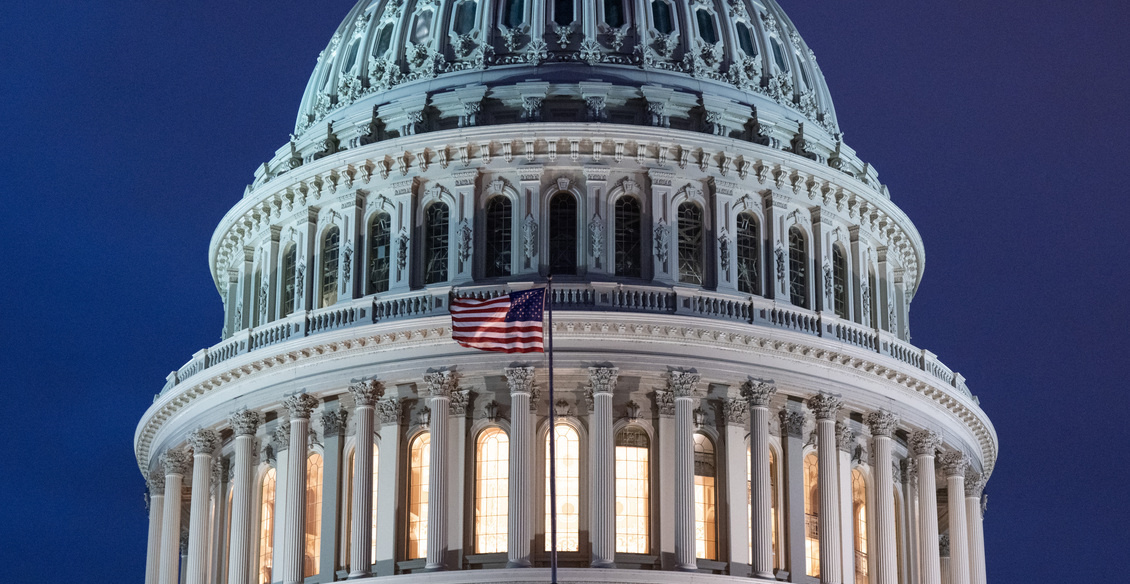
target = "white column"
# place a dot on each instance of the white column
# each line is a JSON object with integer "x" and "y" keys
{"x": 389, "y": 495}
{"x": 683, "y": 385}
{"x": 737, "y": 488}
{"x": 177, "y": 464}
{"x": 954, "y": 464}
{"x": 365, "y": 396}
{"x": 914, "y": 541}
{"x": 156, "y": 482}
{"x": 438, "y": 387}
{"x": 845, "y": 444}
{"x": 292, "y": 549}
{"x": 602, "y": 478}
{"x": 974, "y": 485}
{"x": 519, "y": 516}
{"x": 204, "y": 443}
{"x": 946, "y": 566}
{"x": 925, "y": 443}
{"x": 883, "y": 424}
{"x": 761, "y": 496}
{"x": 826, "y": 406}
{"x": 244, "y": 424}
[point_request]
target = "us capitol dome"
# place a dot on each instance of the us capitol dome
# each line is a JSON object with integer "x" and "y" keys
{"x": 735, "y": 391}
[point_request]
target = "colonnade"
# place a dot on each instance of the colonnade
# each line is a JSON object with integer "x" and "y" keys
{"x": 833, "y": 440}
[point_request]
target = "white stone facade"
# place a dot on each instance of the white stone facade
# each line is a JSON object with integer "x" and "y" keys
{"x": 732, "y": 289}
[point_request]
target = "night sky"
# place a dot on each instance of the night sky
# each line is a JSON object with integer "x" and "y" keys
{"x": 132, "y": 127}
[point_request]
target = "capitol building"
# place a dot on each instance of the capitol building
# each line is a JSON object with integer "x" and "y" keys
{"x": 736, "y": 395}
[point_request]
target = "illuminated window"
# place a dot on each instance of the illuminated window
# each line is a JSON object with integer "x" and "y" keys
{"x": 329, "y": 266}
{"x": 839, "y": 281}
{"x": 289, "y": 287}
{"x": 568, "y": 446}
{"x": 773, "y": 514}
{"x": 435, "y": 243}
{"x": 492, "y": 490}
{"x": 632, "y": 499}
{"x": 498, "y": 237}
{"x": 705, "y": 522}
{"x": 418, "y": 470}
{"x": 749, "y": 254}
{"x": 563, "y": 234}
{"x": 811, "y": 517}
{"x": 267, "y": 527}
{"x": 313, "y": 515}
{"x": 859, "y": 523}
{"x": 690, "y": 243}
{"x": 628, "y": 237}
{"x": 798, "y": 268}
{"x": 380, "y": 233}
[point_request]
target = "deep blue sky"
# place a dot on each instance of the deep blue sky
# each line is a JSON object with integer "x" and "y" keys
{"x": 1000, "y": 127}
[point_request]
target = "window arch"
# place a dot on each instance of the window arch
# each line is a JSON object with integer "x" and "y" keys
{"x": 492, "y": 490}
{"x": 330, "y": 243}
{"x": 380, "y": 239}
{"x": 839, "y": 281}
{"x": 289, "y": 284}
{"x": 568, "y": 450}
{"x": 266, "y": 526}
{"x": 499, "y": 238}
{"x": 435, "y": 243}
{"x": 705, "y": 499}
{"x": 632, "y": 492}
{"x": 798, "y": 267}
{"x": 690, "y": 243}
{"x": 749, "y": 254}
{"x": 419, "y": 467}
{"x": 628, "y": 234}
{"x": 313, "y": 533}
{"x": 563, "y": 234}
{"x": 811, "y": 516}
{"x": 859, "y": 523}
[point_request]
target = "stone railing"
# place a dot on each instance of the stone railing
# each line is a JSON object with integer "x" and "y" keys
{"x": 599, "y": 297}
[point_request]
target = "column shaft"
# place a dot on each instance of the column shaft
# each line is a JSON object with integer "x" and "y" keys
{"x": 437, "y": 482}
{"x": 847, "y": 525}
{"x": 883, "y": 424}
{"x": 292, "y": 549}
{"x": 976, "y": 539}
{"x": 685, "y": 551}
{"x": 959, "y": 542}
{"x": 519, "y": 521}
{"x": 204, "y": 443}
{"x": 361, "y": 536}
{"x": 603, "y": 483}
{"x": 827, "y": 484}
{"x": 176, "y": 464}
{"x": 760, "y": 490}
{"x": 153, "y": 543}
{"x": 242, "y": 507}
{"x": 924, "y": 443}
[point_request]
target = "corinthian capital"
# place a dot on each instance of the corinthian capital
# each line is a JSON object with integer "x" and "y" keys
{"x": 845, "y": 438}
{"x": 282, "y": 436}
{"x": 825, "y": 405}
{"x": 882, "y": 422}
{"x": 300, "y": 405}
{"x": 439, "y": 383}
{"x": 925, "y": 442}
{"x": 520, "y": 379}
{"x": 734, "y": 410}
{"x": 366, "y": 393}
{"x": 388, "y": 411}
{"x": 603, "y": 379}
{"x": 245, "y": 422}
{"x": 333, "y": 423}
{"x": 683, "y": 383}
{"x": 758, "y": 393}
{"x": 156, "y": 483}
{"x": 176, "y": 461}
{"x": 974, "y": 483}
{"x": 954, "y": 463}
{"x": 792, "y": 422}
{"x": 204, "y": 441}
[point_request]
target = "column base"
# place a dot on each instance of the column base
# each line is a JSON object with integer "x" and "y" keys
{"x": 518, "y": 564}
{"x": 359, "y": 574}
{"x": 603, "y": 564}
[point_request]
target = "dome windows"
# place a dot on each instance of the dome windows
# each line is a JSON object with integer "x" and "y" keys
{"x": 706, "y": 29}
{"x": 313, "y": 540}
{"x": 380, "y": 236}
{"x": 749, "y": 254}
{"x": 289, "y": 286}
{"x": 628, "y": 233}
{"x": 419, "y": 464}
{"x": 330, "y": 244}
{"x": 705, "y": 499}
{"x": 563, "y": 12}
{"x": 513, "y": 13}
{"x": 464, "y": 21}
{"x": 690, "y": 243}
{"x": 563, "y": 234}
{"x": 662, "y": 16}
{"x": 839, "y": 281}
{"x": 384, "y": 41}
{"x": 632, "y": 499}
{"x": 614, "y": 13}
{"x": 745, "y": 39}
{"x": 492, "y": 490}
{"x": 567, "y": 444}
{"x": 811, "y": 516}
{"x": 422, "y": 27}
{"x": 435, "y": 243}
{"x": 266, "y": 527}
{"x": 798, "y": 267}
{"x": 778, "y": 54}
{"x": 498, "y": 237}
{"x": 859, "y": 524}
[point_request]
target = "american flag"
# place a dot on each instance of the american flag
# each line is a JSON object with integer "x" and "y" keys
{"x": 510, "y": 324}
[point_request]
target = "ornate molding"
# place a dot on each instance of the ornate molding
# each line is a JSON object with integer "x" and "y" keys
{"x": 974, "y": 483}
{"x": 734, "y": 410}
{"x": 155, "y": 482}
{"x": 245, "y": 422}
{"x": 825, "y": 405}
{"x": 792, "y": 422}
{"x": 845, "y": 438}
{"x": 300, "y": 405}
{"x": 388, "y": 411}
{"x": 460, "y": 400}
{"x": 603, "y": 379}
{"x": 925, "y": 442}
{"x": 333, "y": 423}
{"x": 204, "y": 441}
{"x": 882, "y": 422}
{"x": 758, "y": 393}
{"x": 281, "y": 436}
{"x": 366, "y": 393}
{"x": 665, "y": 403}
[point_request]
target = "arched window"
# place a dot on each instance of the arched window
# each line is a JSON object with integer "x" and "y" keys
{"x": 513, "y": 13}
{"x": 267, "y": 526}
{"x": 563, "y": 234}
{"x": 798, "y": 268}
{"x": 839, "y": 281}
{"x": 628, "y": 237}
{"x": 614, "y": 13}
{"x": 811, "y": 517}
{"x": 749, "y": 254}
{"x": 313, "y": 515}
{"x": 690, "y": 243}
{"x": 873, "y": 286}
{"x": 464, "y": 19}
{"x": 859, "y": 523}
{"x": 705, "y": 521}
{"x": 632, "y": 492}
{"x": 349, "y": 507}
{"x": 563, "y": 12}
{"x": 419, "y": 465}
{"x": 568, "y": 450}
{"x": 706, "y": 28}
{"x": 258, "y": 298}
{"x": 330, "y": 243}
{"x": 380, "y": 237}
{"x": 498, "y": 237}
{"x": 492, "y": 490}
{"x": 661, "y": 14}
{"x": 435, "y": 243}
{"x": 289, "y": 286}
{"x": 745, "y": 39}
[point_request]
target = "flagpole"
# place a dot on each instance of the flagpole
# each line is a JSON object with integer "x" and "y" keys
{"x": 552, "y": 445}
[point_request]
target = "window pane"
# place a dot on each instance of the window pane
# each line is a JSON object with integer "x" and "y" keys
{"x": 839, "y": 281}
{"x": 563, "y": 234}
{"x": 690, "y": 243}
{"x": 749, "y": 254}
{"x": 422, "y": 30}
{"x": 873, "y": 288}
{"x": 745, "y": 40}
{"x": 632, "y": 499}
{"x": 706, "y": 26}
{"x": 705, "y": 504}
{"x": 418, "y": 485}
{"x": 614, "y": 13}
{"x": 563, "y": 12}
{"x": 498, "y": 237}
{"x": 379, "y": 238}
{"x": 778, "y": 57}
{"x": 492, "y": 491}
{"x": 465, "y": 17}
{"x": 267, "y": 527}
{"x": 798, "y": 268}
{"x": 435, "y": 243}
{"x": 811, "y": 517}
{"x": 859, "y": 523}
{"x": 512, "y": 15}
{"x": 329, "y": 267}
{"x": 313, "y": 542}
{"x": 568, "y": 446}
{"x": 661, "y": 14}
{"x": 288, "y": 275}
{"x": 384, "y": 40}
{"x": 628, "y": 236}
{"x": 258, "y": 298}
